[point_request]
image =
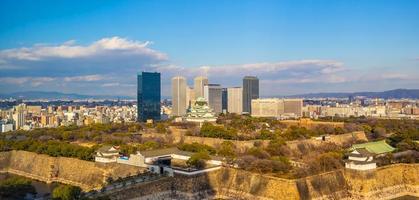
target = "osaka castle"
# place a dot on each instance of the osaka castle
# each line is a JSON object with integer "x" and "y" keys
{"x": 200, "y": 112}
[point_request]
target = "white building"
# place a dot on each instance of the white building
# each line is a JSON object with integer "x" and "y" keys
{"x": 235, "y": 100}
{"x": 278, "y": 108}
{"x": 179, "y": 93}
{"x": 6, "y": 127}
{"x": 107, "y": 154}
{"x": 361, "y": 159}
{"x": 199, "y": 83}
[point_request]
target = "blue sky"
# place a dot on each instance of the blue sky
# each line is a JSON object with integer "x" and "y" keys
{"x": 95, "y": 47}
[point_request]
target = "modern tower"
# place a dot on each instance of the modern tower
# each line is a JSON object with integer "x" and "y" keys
{"x": 224, "y": 100}
{"x": 148, "y": 96}
{"x": 190, "y": 97}
{"x": 199, "y": 83}
{"x": 250, "y": 91}
{"x": 235, "y": 100}
{"x": 213, "y": 94}
{"x": 179, "y": 96}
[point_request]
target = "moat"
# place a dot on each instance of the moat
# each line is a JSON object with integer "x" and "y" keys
{"x": 43, "y": 190}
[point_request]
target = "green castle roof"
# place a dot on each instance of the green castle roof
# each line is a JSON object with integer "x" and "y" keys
{"x": 378, "y": 147}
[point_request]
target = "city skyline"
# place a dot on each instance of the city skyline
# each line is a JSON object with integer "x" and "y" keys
{"x": 293, "y": 48}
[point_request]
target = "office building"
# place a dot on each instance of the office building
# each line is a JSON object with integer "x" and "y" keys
{"x": 179, "y": 96}
{"x": 224, "y": 100}
{"x": 213, "y": 94}
{"x": 278, "y": 108}
{"x": 235, "y": 100}
{"x": 199, "y": 83}
{"x": 293, "y": 106}
{"x": 250, "y": 91}
{"x": 19, "y": 116}
{"x": 190, "y": 97}
{"x": 5, "y": 127}
{"x": 148, "y": 96}
{"x": 271, "y": 107}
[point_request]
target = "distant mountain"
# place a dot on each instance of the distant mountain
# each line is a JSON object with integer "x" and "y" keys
{"x": 31, "y": 95}
{"x": 390, "y": 94}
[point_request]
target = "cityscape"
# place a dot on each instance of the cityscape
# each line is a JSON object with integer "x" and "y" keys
{"x": 118, "y": 119}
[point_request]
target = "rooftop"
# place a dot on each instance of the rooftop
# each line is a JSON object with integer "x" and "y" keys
{"x": 378, "y": 147}
{"x": 165, "y": 151}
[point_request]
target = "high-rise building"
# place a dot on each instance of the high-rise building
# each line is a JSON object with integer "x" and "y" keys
{"x": 179, "y": 96}
{"x": 213, "y": 94}
{"x": 148, "y": 96}
{"x": 235, "y": 100}
{"x": 199, "y": 83}
{"x": 190, "y": 97}
{"x": 250, "y": 91}
{"x": 224, "y": 99}
{"x": 19, "y": 116}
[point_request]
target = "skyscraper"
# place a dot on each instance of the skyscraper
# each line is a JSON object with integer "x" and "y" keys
{"x": 224, "y": 100}
{"x": 235, "y": 100}
{"x": 19, "y": 116}
{"x": 179, "y": 96}
{"x": 148, "y": 96}
{"x": 199, "y": 83}
{"x": 250, "y": 91}
{"x": 213, "y": 94}
{"x": 190, "y": 97}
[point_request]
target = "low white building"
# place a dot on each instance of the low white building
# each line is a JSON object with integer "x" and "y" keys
{"x": 361, "y": 159}
{"x": 6, "y": 127}
{"x": 107, "y": 154}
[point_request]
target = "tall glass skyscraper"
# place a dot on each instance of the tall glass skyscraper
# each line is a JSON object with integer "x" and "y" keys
{"x": 148, "y": 96}
{"x": 250, "y": 91}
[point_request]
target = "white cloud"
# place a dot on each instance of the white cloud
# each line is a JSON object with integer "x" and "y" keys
{"x": 110, "y": 84}
{"x": 86, "y": 78}
{"x": 70, "y": 50}
{"x": 32, "y": 81}
{"x": 301, "y": 71}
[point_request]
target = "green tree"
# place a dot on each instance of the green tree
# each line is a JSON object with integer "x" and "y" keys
{"x": 15, "y": 188}
{"x": 227, "y": 149}
{"x": 66, "y": 192}
{"x": 198, "y": 160}
{"x": 161, "y": 128}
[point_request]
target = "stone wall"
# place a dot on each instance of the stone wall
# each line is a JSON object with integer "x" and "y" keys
{"x": 178, "y": 135}
{"x": 383, "y": 183}
{"x": 85, "y": 174}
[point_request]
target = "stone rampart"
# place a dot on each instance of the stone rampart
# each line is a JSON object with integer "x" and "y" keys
{"x": 85, "y": 174}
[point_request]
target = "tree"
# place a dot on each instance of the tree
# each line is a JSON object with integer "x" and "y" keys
{"x": 197, "y": 147}
{"x": 277, "y": 147}
{"x": 161, "y": 128}
{"x": 198, "y": 160}
{"x": 66, "y": 192}
{"x": 15, "y": 188}
{"x": 227, "y": 149}
{"x": 378, "y": 133}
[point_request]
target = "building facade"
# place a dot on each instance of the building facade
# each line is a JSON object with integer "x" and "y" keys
{"x": 199, "y": 83}
{"x": 148, "y": 96}
{"x": 250, "y": 91}
{"x": 190, "y": 97}
{"x": 278, "y": 108}
{"x": 224, "y": 100}
{"x": 213, "y": 94}
{"x": 235, "y": 100}
{"x": 179, "y": 93}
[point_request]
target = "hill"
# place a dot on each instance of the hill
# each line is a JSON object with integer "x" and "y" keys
{"x": 31, "y": 95}
{"x": 390, "y": 94}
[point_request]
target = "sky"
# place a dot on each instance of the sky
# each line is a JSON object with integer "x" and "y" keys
{"x": 293, "y": 47}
